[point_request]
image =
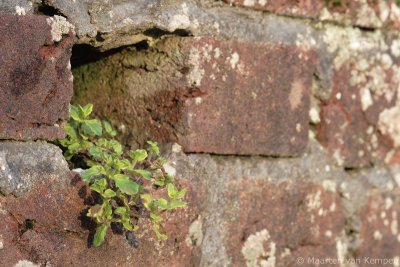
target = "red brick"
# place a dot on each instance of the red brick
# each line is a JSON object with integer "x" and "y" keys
{"x": 36, "y": 83}
{"x": 373, "y": 14}
{"x": 350, "y": 125}
{"x": 380, "y": 229}
{"x": 60, "y": 235}
{"x": 297, "y": 219}
{"x": 213, "y": 96}
{"x": 243, "y": 92}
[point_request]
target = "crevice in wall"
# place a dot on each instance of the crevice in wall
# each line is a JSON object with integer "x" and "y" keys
{"x": 46, "y": 9}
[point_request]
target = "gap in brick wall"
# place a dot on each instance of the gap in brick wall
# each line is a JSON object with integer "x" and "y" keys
{"x": 45, "y": 9}
{"x": 84, "y": 54}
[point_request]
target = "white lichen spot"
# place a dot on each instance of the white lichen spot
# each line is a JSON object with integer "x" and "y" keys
{"x": 329, "y": 185}
{"x": 383, "y": 215}
{"x": 196, "y": 74}
{"x": 332, "y": 207}
{"x": 20, "y": 11}
{"x": 195, "y": 236}
{"x": 337, "y": 155}
{"x": 339, "y": 96}
{"x": 59, "y": 27}
{"x": 314, "y": 115}
{"x": 327, "y": 168}
{"x": 25, "y": 263}
{"x": 296, "y": 94}
{"x": 389, "y": 123}
{"x": 182, "y": 20}
{"x": 170, "y": 169}
{"x": 234, "y": 59}
{"x": 395, "y": 48}
{"x": 249, "y": 2}
{"x": 198, "y": 100}
{"x": 388, "y": 203}
{"x": 298, "y": 127}
{"x": 217, "y": 53}
{"x": 254, "y": 251}
{"x": 286, "y": 252}
{"x": 377, "y": 235}
{"x": 176, "y": 148}
{"x": 127, "y": 21}
{"x": 366, "y": 99}
{"x": 313, "y": 201}
{"x": 262, "y": 2}
{"x": 328, "y": 233}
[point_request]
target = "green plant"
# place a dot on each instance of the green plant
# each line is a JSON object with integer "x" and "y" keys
{"x": 125, "y": 182}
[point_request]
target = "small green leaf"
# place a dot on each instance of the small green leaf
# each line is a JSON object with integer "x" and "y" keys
{"x": 147, "y": 198}
{"x": 107, "y": 210}
{"x": 138, "y": 155}
{"x": 123, "y": 164}
{"x": 99, "y": 186}
{"x": 153, "y": 147}
{"x": 96, "y": 152}
{"x": 108, "y": 128}
{"x": 162, "y": 203}
{"x": 126, "y": 185}
{"x": 109, "y": 193}
{"x": 127, "y": 224}
{"x": 70, "y": 131}
{"x": 90, "y": 173}
{"x": 156, "y": 218}
{"x": 160, "y": 236}
{"x": 172, "y": 191}
{"x": 74, "y": 147}
{"x": 120, "y": 211}
{"x": 92, "y": 127}
{"x": 74, "y": 113}
{"x": 96, "y": 211}
{"x": 100, "y": 234}
{"x": 145, "y": 174}
{"x": 181, "y": 194}
{"x": 169, "y": 178}
{"x": 85, "y": 110}
{"x": 174, "y": 204}
{"x": 160, "y": 182}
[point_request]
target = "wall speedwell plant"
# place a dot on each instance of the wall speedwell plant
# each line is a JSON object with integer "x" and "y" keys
{"x": 125, "y": 181}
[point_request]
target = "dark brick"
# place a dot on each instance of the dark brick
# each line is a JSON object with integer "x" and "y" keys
{"x": 36, "y": 83}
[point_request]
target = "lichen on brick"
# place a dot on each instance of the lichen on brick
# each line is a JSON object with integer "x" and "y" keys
{"x": 254, "y": 250}
{"x": 59, "y": 27}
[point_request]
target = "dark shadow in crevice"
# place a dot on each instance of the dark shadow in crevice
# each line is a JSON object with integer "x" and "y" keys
{"x": 45, "y": 9}
{"x": 84, "y": 54}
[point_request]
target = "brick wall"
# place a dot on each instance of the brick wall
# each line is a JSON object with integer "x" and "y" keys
{"x": 281, "y": 117}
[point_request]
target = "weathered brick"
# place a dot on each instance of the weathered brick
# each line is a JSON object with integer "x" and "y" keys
{"x": 36, "y": 83}
{"x": 273, "y": 224}
{"x": 370, "y": 14}
{"x": 358, "y": 121}
{"x": 380, "y": 230}
{"x": 62, "y": 234}
{"x": 223, "y": 97}
{"x": 243, "y": 92}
